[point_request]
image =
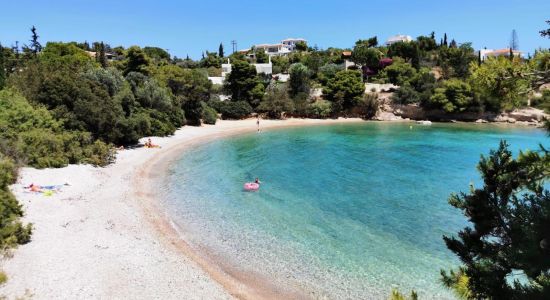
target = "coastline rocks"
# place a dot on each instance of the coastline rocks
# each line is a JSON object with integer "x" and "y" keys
{"x": 526, "y": 116}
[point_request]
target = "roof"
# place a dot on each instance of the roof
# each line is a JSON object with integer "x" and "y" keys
{"x": 346, "y": 53}
{"x": 293, "y": 39}
{"x": 506, "y": 50}
{"x": 399, "y": 37}
{"x": 268, "y": 45}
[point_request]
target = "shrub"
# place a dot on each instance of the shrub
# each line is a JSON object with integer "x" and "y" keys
{"x": 320, "y": 109}
{"x": 368, "y": 106}
{"x": 235, "y": 110}
{"x": 209, "y": 115}
{"x": 542, "y": 102}
{"x": 3, "y": 278}
{"x": 405, "y": 95}
{"x": 12, "y": 232}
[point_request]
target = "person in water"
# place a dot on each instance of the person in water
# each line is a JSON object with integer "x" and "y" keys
{"x": 257, "y": 180}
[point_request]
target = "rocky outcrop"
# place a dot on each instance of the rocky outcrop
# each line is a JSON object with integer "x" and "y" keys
{"x": 527, "y": 116}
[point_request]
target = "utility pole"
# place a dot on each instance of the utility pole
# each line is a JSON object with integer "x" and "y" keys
{"x": 234, "y": 44}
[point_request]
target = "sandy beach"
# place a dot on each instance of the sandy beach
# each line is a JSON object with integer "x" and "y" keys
{"x": 104, "y": 235}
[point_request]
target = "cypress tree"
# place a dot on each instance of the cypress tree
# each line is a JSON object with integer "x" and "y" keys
{"x": 220, "y": 51}
{"x": 2, "y": 68}
{"x": 445, "y": 40}
{"x": 479, "y": 58}
{"x": 102, "y": 58}
{"x": 511, "y": 54}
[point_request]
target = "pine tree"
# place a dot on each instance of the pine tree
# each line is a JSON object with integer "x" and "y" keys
{"x": 509, "y": 228}
{"x": 35, "y": 45}
{"x": 220, "y": 51}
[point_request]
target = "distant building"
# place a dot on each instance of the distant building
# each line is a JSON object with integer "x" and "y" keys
{"x": 266, "y": 69}
{"x": 398, "y": 38}
{"x": 346, "y": 56}
{"x": 273, "y": 49}
{"x": 290, "y": 43}
{"x": 109, "y": 56}
{"x": 285, "y": 47}
{"x": 486, "y": 53}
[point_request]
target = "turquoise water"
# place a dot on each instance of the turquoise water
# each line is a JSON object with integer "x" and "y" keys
{"x": 346, "y": 211}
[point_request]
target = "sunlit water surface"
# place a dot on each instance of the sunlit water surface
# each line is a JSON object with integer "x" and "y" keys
{"x": 344, "y": 211}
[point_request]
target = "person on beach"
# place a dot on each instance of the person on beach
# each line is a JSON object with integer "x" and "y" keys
{"x": 258, "y": 122}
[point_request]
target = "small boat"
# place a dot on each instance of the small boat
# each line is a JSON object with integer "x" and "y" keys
{"x": 424, "y": 122}
{"x": 251, "y": 186}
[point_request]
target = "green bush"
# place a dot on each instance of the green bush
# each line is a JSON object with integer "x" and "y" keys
{"x": 542, "y": 102}
{"x": 320, "y": 109}
{"x": 368, "y": 106}
{"x": 3, "y": 278}
{"x": 235, "y": 110}
{"x": 12, "y": 232}
{"x": 209, "y": 115}
{"x": 31, "y": 135}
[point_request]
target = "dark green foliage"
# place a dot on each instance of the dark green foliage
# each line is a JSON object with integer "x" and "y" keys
{"x": 365, "y": 56}
{"x": 454, "y": 95}
{"x": 192, "y": 88}
{"x": 398, "y": 73}
{"x": 426, "y": 43}
{"x": 546, "y": 32}
{"x": 320, "y": 109}
{"x": 101, "y": 58}
{"x": 3, "y": 65}
{"x": 234, "y": 110}
{"x": 327, "y": 72}
{"x": 542, "y": 102}
{"x": 344, "y": 90}
{"x": 299, "y": 79}
{"x": 406, "y": 95}
{"x": 157, "y": 53}
{"x": 301, "y": 46}
{"x": 31, "y": 135}
{"x": 221, "y": 54}
{"x": 368, "y": 106}
{"x": 209, "y": 115}
{"x": 211, "y": 60}
{"x": 12, "y": 231}
{"x": 276, "y": 101}
{"x": 261, "y": 56}
{"x": 243, "y": 83}
{"x": 510, "y": 231}
{"x": 137, "y": 61}
{"x": 406, "y": 50}
{"x": 35, "y": 45}
{"x": 455, "y": 61}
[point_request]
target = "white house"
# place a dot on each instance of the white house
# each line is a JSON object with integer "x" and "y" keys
{"x": 290, "y": 43}
{"x": 486, "y": 53}
{"x": 226, "y": 69}
{"x": 285, "y": 47}
{"x": 398, "y": 38}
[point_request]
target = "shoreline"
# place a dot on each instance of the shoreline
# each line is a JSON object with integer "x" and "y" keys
{"x": 108, "y": 236}
{"x": 105, "y": 235}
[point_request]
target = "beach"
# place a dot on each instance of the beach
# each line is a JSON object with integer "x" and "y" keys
{"x": 104, "y": 234}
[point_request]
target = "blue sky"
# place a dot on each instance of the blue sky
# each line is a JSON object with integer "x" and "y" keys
{"x": 190, "y": 27}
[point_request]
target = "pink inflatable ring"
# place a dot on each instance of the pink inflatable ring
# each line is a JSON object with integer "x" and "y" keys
{"x": 251, "y": 186}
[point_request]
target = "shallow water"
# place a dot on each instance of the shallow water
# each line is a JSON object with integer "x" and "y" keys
{"x": 346, "y": 211}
